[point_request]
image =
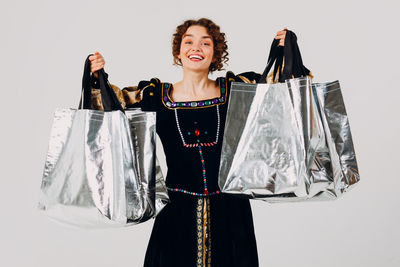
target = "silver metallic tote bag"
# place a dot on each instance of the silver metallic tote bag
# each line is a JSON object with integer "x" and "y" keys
{"x": 287, "y": 141}
{"x": 100, "y": 169}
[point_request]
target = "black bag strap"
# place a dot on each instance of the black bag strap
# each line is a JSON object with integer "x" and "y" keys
{"x": 108, "y": 97}
{"x": 290, "y": 55}
{"x": 273, "y": 54}
{"x": 298, "y": 68}
{"x": 86, "y": 94}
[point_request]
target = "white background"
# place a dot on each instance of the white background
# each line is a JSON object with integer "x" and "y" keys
{"x": 43, "y": 48}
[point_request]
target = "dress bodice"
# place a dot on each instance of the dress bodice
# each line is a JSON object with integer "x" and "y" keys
{"x": 191, "y": 133}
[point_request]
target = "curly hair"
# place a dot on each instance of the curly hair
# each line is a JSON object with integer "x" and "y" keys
{"x": 218, "y": 37}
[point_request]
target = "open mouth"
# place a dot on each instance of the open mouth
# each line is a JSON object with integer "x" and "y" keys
{"x": 196, "y": 57}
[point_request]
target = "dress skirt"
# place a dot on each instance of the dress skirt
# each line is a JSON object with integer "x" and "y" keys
{"x": 207, "y": 231}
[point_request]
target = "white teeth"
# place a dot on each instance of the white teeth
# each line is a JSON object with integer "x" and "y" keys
{"x": 195, "y": 56}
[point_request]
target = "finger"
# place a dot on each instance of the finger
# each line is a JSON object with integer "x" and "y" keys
{"x": 94, "y": 55}
{"x": 97, "y": 55}
{"x": 96, "y": 69}
{"x": 94, "y": 58}
{"x": 95, "y": 64}
{"x": 98, "y": 66}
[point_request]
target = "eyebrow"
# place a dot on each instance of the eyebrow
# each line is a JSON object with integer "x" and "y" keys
{"x": 191, "y": 35}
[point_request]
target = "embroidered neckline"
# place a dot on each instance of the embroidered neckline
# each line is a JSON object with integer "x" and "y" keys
{"x": 170, "y": 104}
{"x": 198, "y": 144}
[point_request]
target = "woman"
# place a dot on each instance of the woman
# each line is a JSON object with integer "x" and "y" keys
{"x": 200, "y": 226}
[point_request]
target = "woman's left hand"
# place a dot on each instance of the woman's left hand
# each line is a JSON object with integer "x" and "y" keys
{"x": 281, "y": 36}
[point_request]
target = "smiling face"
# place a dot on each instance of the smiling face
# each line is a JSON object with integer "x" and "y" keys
{"x": 197, "y": 49}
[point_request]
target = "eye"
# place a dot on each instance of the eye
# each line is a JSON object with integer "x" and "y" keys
{"x": 206, "y": 43}
{"x": 188, "y": 42}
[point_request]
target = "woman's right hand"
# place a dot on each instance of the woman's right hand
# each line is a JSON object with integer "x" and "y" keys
{"x": 96, "y": 63}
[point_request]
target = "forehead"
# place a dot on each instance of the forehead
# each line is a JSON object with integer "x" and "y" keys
{"x": 196, "y": 31}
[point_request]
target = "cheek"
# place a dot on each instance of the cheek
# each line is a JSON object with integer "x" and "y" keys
{"x": 211, "y": 53}
{"x": 182, "y": 51}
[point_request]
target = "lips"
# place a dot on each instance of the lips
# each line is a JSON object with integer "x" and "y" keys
{"x": 196, "y": 57}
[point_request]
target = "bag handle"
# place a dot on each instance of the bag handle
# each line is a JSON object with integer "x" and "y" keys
{"x": 108, "y": 97}
{"x": 290, "y": 54}
{"x": 299, "y": 69}
{"x": 86, "y": 93}
{"x": 273, "y": 54}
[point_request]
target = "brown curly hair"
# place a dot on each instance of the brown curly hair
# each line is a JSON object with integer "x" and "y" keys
{"x": 218, "y": 37}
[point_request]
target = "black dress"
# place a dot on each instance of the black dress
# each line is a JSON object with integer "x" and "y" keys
{"x": 200, "y": 226}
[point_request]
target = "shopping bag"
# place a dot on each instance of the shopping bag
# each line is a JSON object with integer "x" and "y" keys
{"x": 100, "y": 169}
{"x": 281, "y": 142}
{"x": 335, "y": 164}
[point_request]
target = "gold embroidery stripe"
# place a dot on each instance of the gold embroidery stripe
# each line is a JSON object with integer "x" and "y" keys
{"x": 199, "y": 226}
{"x": 208, "y": 233}
{"x": 204, "y": 231}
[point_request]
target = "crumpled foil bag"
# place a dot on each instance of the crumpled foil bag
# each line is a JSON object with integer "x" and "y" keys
{"x": 287, "y": 142}
{"x": 101, "y": 169}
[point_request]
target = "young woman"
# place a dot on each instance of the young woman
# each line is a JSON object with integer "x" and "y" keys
{"x": 200, "y": 226}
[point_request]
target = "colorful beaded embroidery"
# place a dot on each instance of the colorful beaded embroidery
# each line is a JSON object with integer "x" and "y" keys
{"x": 193, "y": 193}
{"x": 198, "y": 143}
{"x": 167, "y": 101}
{"x": 204, "y": 171}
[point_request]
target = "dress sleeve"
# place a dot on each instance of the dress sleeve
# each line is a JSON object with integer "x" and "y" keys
{"x": 245, "y": 77}
{"x": 253, "y": 77}
{"x": 145, "y": 95}
{"x": 141, "y": 96}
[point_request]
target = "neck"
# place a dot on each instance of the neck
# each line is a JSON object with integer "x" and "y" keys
{"x": 195, "y": 82}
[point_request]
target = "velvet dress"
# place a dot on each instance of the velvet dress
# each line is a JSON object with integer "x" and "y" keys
{"x": 200, "y": 226}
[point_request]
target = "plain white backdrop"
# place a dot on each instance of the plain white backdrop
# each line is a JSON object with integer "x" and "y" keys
{"x": 43, "y": 48}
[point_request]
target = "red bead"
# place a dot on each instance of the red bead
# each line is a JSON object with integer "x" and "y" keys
{"x": 206, "y": 192}
{"x": 196, "y": 132}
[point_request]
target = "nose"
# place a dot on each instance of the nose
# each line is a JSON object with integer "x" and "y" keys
{"x": 195, "y": 47}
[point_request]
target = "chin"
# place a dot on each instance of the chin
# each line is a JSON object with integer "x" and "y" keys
{"x": 198, "y": 68}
